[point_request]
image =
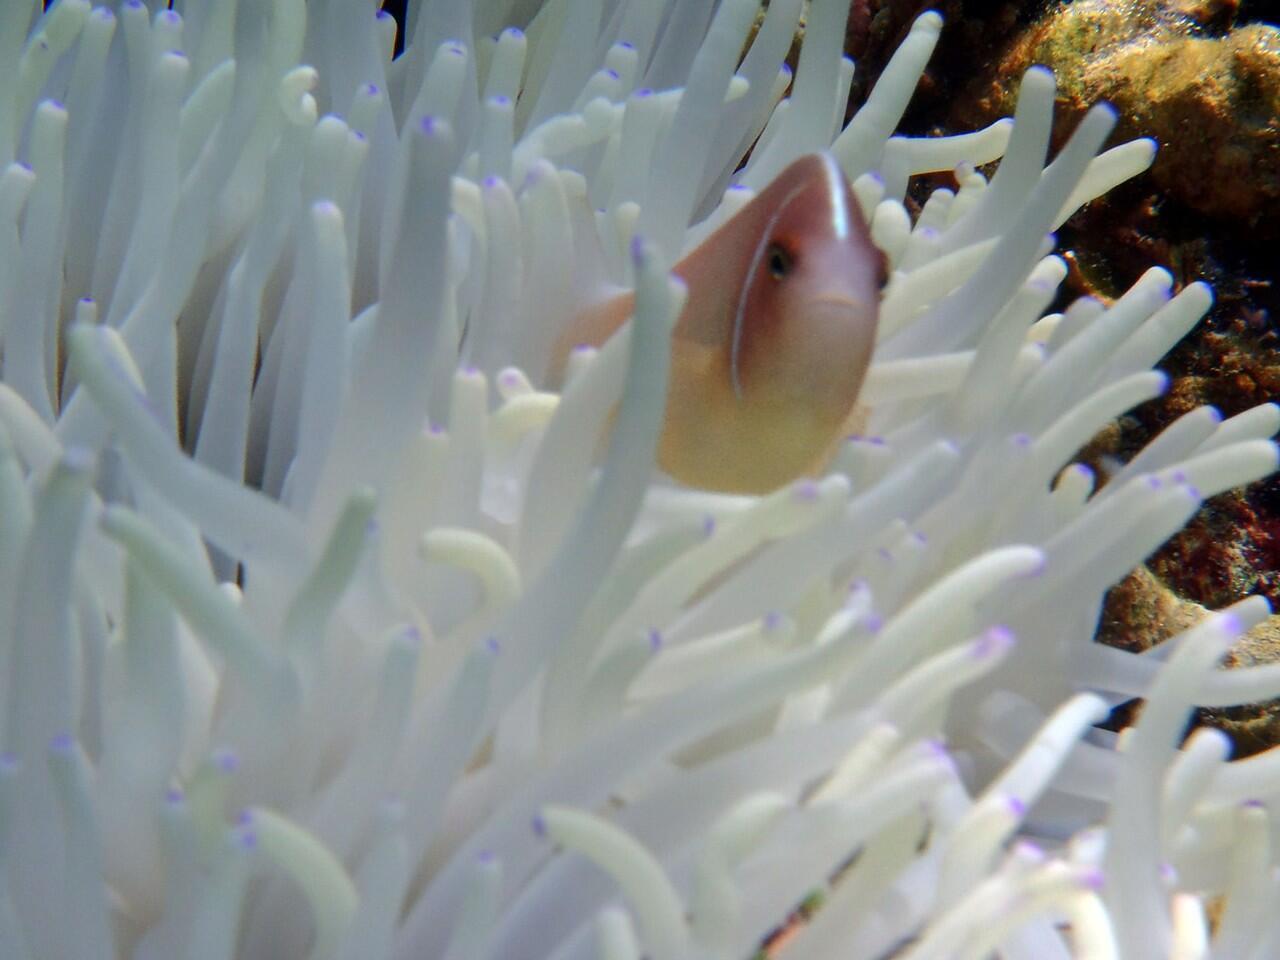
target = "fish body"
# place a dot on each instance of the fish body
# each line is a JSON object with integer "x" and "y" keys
{"x": 773, "y": 343}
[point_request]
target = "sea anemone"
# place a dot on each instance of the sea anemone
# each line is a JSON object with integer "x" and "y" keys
{"x": 328, "y": 631}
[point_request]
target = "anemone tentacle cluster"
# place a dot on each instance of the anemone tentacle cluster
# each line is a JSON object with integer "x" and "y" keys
{"x": 326, "y": 630}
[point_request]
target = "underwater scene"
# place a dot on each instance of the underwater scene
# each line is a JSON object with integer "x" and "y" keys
{"x": 639, "y": 480}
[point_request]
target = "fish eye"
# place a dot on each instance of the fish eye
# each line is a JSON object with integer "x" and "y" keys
{"x": 779, "y": 261}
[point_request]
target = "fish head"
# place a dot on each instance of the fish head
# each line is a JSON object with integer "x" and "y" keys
{"x": 806, "y": 317}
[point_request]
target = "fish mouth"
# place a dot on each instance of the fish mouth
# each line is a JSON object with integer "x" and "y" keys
{"x": 840, "y": 322}
{"x": 832, "y": 351}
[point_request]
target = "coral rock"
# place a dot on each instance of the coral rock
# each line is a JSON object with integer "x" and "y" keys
{"x": 1212, "y": 102}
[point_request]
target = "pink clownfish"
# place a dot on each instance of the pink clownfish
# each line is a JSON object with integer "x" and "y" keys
{"x": 770, "y": 351}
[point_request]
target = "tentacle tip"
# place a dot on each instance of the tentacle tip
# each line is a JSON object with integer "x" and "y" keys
{"x": 994, "y": 642}
{"x": 435, "y": 128}
{"x": 1029, "y": 850}
{"x": 62, "y": 743}
{"x": 929, "y": 20}
{"x": 1038, "y": 568}
{"x": 1093, "y": 879}
{"x": 1230, "y": 624}
{"x": 805, "y": 491}
{"x": 1106, "y": 110}
{"x": 938, "y": 750}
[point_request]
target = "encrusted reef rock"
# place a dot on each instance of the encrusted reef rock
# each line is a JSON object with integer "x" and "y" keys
{"x": 1211, "y": 101}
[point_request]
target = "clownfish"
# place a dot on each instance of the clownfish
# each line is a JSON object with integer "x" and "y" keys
{"x": 776, "y": 334}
